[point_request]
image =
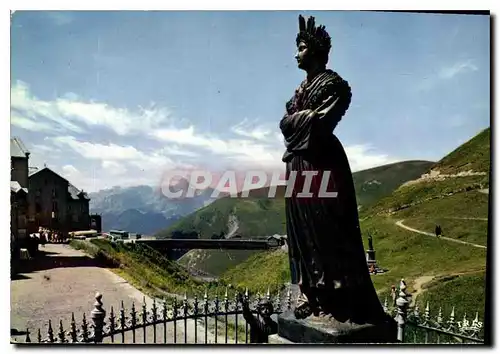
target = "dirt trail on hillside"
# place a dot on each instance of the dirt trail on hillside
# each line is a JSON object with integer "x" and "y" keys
{"x": 417, "y": 286}
{"x": 419, "y": 282}
{"x": 400, "y": 224}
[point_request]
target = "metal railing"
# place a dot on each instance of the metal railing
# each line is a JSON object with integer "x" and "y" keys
{"x": 202, "y": 322}
{"x": 417, "y": 328}
{"x": 167, "y": 322}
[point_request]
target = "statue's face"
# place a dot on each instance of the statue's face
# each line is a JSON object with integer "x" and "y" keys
{"x": 303, "y": 56}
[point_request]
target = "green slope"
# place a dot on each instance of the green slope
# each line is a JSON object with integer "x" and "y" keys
{"x": 374, "y": 183}
{"x": 472, "y": 155}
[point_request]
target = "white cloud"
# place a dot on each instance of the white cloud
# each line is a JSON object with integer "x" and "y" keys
{"x": 114, "y": 168}
{"x": 104, "y": 165}
{"x": 457, "y": 68}
{"x": 244, "y": 129}
{"x": 30, "y": 124}
{"x": 76, "y": 115}
{"x": 362, "y": 157}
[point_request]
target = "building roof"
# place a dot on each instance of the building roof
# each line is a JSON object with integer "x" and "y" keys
{"x": 16, "y": 187}
{"x": 17, "y": 148}
{"x": 73, "y": 191}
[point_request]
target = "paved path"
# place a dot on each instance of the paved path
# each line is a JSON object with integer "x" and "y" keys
{"x": 400, "y": 224}
{"x": 65, "y": 280}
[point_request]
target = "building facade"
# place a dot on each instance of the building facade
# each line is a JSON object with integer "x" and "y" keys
{"x": 56, "y": 204}
{"x": 19, "y": 157}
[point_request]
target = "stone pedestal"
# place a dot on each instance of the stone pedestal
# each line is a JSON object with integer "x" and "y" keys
{"x": 325, "y": 330}
{"x": 370, "y": 256}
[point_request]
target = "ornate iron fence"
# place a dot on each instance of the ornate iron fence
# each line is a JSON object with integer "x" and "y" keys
{"x": 164, "y": 319}
{"x": 414, "y": 327}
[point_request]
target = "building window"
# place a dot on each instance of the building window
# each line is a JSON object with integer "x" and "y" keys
{"x": 54, "y": 206}
{"x": 54, "y": 193}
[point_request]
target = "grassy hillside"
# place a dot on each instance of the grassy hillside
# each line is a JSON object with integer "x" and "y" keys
{"x": 143, "y": 267}
{"x": 254, "y": 216}
{"x": 472, "y": 155}
{"x": 374, "y": 183}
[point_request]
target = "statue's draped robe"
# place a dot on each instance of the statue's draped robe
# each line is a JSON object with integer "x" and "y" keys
{"x": 326, "y": 252}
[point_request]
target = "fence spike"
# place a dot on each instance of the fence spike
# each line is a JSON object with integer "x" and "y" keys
{"x": 73, "y": 333}
{"x": 465, "y": 322}
{"x": 144, "y": 312}
{"x": 175, "y": 308}
{"x": 62, "y": 337}
{"x": 27, "y": 339}
{"x": 195, "y": 304}
{"x": 268, "y": 294}
{"x": 39, "y": 336}
{"x": 164, "y": 310}
{"x": 112, "y": 320}
{"x": 416, "y": 310}
{"x": 122, "y": 318}
{"x": 225, "y": 294}
{"x": 51, "y": 332}
{"x": 427, "y": 312}
{"x": 246, "y": 293}
{"x": 439, "y": 317}
{"x": 451, "y": 321}
{"x": 185, "y": 304}
{"x": 154, "y": 311}
{"x": 133, "y": 314}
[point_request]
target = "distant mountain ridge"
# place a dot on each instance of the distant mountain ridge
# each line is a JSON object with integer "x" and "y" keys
{"x": 143, "y": 209}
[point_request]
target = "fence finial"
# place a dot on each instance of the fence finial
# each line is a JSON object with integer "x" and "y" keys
{"x": 27, "y": 339}
{"x": 73, "y": 333}
{"x": 61, "y": 334}
{"x": 451, "y": 321}
{"x": 427, "y": 313}
{"x": 98, "y": 314}
{"x": 50, "y": 332}
{"x": 439, "y": 318}
{"x": 402, "y": 304}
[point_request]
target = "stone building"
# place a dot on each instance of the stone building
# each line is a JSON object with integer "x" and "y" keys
{"x": 57, "y": 204}
{"x": 19, "y": 157}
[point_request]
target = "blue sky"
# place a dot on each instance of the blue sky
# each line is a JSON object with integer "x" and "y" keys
{"x": 117, "y": 98}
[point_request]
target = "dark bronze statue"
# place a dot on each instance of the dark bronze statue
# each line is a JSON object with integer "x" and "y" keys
{"x": 260, "y": 328}
{"x": 326, "y": 251}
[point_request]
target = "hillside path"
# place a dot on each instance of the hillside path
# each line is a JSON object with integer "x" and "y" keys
{"x": 400, "y": 224}
{"x": 465, "y": 218}
{"x": 62, "y": 280}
